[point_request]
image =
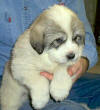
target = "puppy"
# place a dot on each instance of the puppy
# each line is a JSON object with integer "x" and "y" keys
{"x": 52, "y": 43}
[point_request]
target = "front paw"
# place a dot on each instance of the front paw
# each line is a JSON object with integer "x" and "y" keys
{"x": 39, "y": 99}
{"x": 60, "y": 89}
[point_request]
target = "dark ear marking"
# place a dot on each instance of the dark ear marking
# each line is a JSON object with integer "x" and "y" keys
{"x": 37, "y": 40}
{"x": 38, "y": 47}
{"x": 37, "y": 33}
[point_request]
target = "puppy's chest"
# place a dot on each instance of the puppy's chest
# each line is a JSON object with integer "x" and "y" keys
{"x": 45, "y": 64}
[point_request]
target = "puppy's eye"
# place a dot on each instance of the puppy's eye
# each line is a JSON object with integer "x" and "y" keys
{"x": 77, "y": 39}
{"x": 59, "y": 40}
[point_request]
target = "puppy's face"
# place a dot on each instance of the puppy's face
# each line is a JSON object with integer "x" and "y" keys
{"x": 64, "y": 46}
{"x": 63, "y": 36}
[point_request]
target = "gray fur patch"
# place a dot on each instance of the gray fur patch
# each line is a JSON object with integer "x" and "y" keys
{"x": 78, "y": 31}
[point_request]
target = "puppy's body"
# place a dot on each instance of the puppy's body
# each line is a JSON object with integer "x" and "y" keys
{"x": 50, "y": 44}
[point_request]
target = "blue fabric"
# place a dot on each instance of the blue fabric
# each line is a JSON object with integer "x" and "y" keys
{"x": 65, "y": 105}
{"x": 17, "y": 15}
{"x": 87, "y": 90}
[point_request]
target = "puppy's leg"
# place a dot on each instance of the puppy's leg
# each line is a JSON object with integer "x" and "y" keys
{"x": 40, "y": 93}
{"x": 61, "y": 84}
{"x": 37, "y": 85}
{"x": 11, "y": 94}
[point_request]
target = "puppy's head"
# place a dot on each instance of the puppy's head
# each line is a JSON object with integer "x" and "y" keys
{"x": 58, "y": 32}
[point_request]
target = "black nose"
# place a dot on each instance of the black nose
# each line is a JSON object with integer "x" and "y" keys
{"x": 70, "y": 56}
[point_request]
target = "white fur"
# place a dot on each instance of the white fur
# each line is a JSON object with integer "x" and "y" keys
{"x": 22, "y": 72}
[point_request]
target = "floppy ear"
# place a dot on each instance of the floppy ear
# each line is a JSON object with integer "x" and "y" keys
{"x": 37, "y": 40}
{"x": 36, "y": 35}
{"x": 39, "y": 31}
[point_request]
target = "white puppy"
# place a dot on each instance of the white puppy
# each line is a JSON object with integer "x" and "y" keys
{"x": 53, "y": 42}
